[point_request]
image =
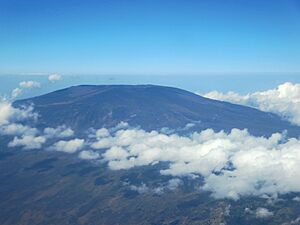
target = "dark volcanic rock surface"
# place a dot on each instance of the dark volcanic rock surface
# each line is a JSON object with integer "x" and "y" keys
{"x": 149, "y": 107}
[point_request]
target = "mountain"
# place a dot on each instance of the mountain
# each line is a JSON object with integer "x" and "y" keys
{"x": 151, "y": 108}
{"x": 43, "y": 187}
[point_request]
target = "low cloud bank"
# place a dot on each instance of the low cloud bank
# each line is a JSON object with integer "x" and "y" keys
{"x": 283, "y": 100}
{"x": 233, "y": 165}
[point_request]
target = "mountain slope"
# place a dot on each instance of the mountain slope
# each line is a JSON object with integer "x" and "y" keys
{"x": 150, "y": 107}
{"x": 46, "y": 187}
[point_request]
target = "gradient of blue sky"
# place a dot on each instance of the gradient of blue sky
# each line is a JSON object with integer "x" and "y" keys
{"x": 149, "y": 36}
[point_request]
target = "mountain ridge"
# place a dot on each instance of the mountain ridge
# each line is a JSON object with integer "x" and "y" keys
{"x": 150, "y": 107}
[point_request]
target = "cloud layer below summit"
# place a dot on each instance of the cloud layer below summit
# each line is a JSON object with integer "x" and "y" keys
{"x": 283, "y": 100}
{"x": 233, "y": 165}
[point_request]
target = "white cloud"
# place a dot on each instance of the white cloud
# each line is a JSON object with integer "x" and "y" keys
{"x": 174, "y": 183}
{"x": 103, "y": 132}
{"x": 263, "y": 213}
{"x": 7, "y": 112}
{"x": 189, "y": 126}
{"x": 88, "y": 155}
{"x": 116, "y": 153}
{"x": 70, "y": 146}
{"x": 54, "y": 77}
{"x": 24, "y": 85}
{"x": 102, "y": 143}
{"x": 233, "y": 165}
{"x": 166, "y": 130}
{"x": 29, "y": 84}
{"x": 16, "y": 92}
{"x": 283, "y": 100}
{"x": 11, "y": 119}
{"x": 297, "y": 199}
{"x": 28, "y": 142}
{"x": 17, "y": 129}
{"x": 142, "y": 189}
{"x": 58, "y": 132}
{"x": 13, "y": 122}
{"x": 121, "y": 125}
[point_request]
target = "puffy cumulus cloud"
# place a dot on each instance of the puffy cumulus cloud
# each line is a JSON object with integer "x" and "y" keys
{"x": 283, "y": 100}
{"x": 69, "y": 146}
{"x": 54, "y": 77}
{"x": 260, "y": 213}
{"x": 103, "y": 132}
{"x": 10, "y": 118}
{"x": 121, "y": 125}
{"x": 263, "y": 213}
{"x": 232, "y": 165}
{"x": 297, "y": 199}
{"x": 17, "y": 129}
{"x": 9, "y": 114}
{"x": 28, "y": 142}
{"x": 58, "y": 132}
{"x": 173, "y": 184}
{"x": 142, "y": 189}
{"x": 29, "y": 84}
{"x": 13, "y": 122}
{"x": 24, "y": 85}
{"x": 89, "y": 155}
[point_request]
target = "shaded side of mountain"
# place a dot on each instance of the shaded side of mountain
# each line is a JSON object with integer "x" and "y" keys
{"x": 151, "y": 108}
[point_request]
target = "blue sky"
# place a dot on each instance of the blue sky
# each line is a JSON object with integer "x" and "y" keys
{"x": 247, "y": 83}
{"x": 149, "y": 37}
